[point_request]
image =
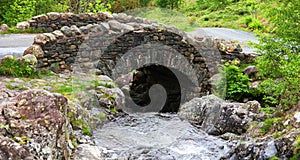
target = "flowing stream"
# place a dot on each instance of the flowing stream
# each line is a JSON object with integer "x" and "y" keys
{"x": 158, "y": 136}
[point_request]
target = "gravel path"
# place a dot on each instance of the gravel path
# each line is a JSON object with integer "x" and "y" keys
{"x": 228, "y": 34}
{"x": 15, "y": 44}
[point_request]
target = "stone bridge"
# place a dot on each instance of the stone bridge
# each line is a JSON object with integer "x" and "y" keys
{"x": 117, "y": 44}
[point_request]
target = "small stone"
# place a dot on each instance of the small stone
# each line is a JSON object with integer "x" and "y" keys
{"x": 58, "y": 34}
{"x": 40, "y": 18}
{"x": 3, "y": 27}
{"x": 8, "y": 57}
{"x": 35, "y": 50}
{"x": 297, "y": 117}
{"x": 41, "y": 39}
{"x": 66, "y": 16}
{"x": 84, "y": 29}
{"x": 66, "y": 30}
{"x": 23, "y": 25}
{"x": 75, "y": 29}
{"x": 30, "y": 58}
{"x": 117, "y": 26}
{"x": 187, "y": 54}
{"x": 53, "y": 16}
{"x": 50, "y": 36}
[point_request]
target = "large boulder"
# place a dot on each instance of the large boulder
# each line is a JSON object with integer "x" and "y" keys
{"x": 34, "y": 124}
{"x": 216, "y": 116}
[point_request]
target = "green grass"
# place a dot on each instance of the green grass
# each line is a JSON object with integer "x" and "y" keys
{"x": 167, "y": 17}
{"x": 17, "y": 68}
{"x": 231, "y": 15}
{"x": 14, "y": 30}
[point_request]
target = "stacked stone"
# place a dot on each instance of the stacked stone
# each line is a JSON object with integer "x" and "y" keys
{"x": 53, "y": 20}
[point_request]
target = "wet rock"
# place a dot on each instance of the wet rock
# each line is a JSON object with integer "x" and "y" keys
{"x": 22, "y": 25}
{"x": 4, "y": 27}
{"x": 35, "y": 119}
{"x": 216, "y": 117}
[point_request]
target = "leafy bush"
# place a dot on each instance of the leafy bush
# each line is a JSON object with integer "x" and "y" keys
{"x": 93, "y": 6}
{"x": 248, "y": 20}
{"x": 234, "y": 83}
{"x": 17, "y": 68}
{"x": 19, "y": 10}
{"x": 279, "y": 64}
{"x": 256, "y": 25}
{"x": 279, "y": 68}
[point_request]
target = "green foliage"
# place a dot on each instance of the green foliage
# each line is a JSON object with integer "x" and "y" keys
{"x": 93, "y": 6}
{"x": 19, "y": 10}
{"x": 17, "y": 31}
{"x": 86, "y": 132}
{"x": 269, "y": 123}
{"x": 268, "y": 110}
{"x": 124, "y": 5}
{"x": 167, "y": 17}
{"x": 14, "y": 11}
{"x": 107, "y": 85}
{"x": 285, "y": 15}
{"x": 171, "y": 4}
{"x": 63, "y": 89}
{"x": 279, "y": 68}
{"x": 253, "y": 23}
{"x": 274, "y": 158}
{"x": 17, "y": 68}
{"x": 212, "y": 5}
{"x": 83, "y": 126}
{"x": 234, "y": 83}
{"x": 277, "y": 134}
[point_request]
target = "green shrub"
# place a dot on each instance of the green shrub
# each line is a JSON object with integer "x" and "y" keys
{"x": 269, "y": 123}
{"x": 234, "y": 83}
{"x": 17, "y": 68}
{"x": 255, "y": 25}
{"x": 279, "y": 69}
{"x": 248, "y": 20}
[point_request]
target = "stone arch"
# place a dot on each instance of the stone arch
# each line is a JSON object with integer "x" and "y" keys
{"x": 162, "y": 51}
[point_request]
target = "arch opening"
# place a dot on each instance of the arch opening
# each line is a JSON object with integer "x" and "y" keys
{"x": 149, "y": 75}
